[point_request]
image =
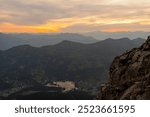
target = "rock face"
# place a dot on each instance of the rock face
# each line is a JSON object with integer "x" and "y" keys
{"x": 129, "y": 75}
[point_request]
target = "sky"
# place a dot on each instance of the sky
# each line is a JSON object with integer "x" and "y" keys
{"x": 49, "y": 16}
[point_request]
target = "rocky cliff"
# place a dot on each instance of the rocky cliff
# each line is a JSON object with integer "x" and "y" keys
{"x": 129, "y": 75}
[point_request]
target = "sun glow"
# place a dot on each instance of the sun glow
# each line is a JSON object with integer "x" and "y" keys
{"x": 12, "y": 28}
{"x": 59, "y": 24}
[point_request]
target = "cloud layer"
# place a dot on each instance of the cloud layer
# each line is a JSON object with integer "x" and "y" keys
{"x": 74, "y": 15}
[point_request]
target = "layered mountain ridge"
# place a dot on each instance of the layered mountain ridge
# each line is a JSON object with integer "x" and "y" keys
{"x": 8, "y": 41}
{"x": 86, "y": 64}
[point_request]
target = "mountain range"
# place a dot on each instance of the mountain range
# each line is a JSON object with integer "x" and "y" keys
{"x": 116, "y": 35}
{"x": 10, "y": 40}
{"x": 37, "y": 40}
{"x": 86, "y": 64}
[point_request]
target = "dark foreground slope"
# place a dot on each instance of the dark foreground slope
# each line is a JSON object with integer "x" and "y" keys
{"x": 129, "y": 75}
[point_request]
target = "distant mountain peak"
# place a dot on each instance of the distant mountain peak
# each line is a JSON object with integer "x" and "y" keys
{"x": 21, "y": 47}
{"x": 24, "y": 46}
{"x": 120, "y": 39}
{"x": 68, "y": 42}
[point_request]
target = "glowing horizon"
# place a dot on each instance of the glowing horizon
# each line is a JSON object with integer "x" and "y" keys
{"x": 48, "y": 16}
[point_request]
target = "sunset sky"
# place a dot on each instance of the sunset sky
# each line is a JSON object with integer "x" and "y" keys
{"x": 34, "y": 16}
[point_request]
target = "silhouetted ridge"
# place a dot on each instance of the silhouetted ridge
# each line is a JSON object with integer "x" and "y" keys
{"x": 68, "y": 43}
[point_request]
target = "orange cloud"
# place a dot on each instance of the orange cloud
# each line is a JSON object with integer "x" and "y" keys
{"x": 50, "y": 26}
{"x": 58, "y": 25}
{"x": 12, "y": 28}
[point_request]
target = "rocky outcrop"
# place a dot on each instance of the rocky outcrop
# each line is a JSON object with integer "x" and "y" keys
{"x": 129, "y": 75}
